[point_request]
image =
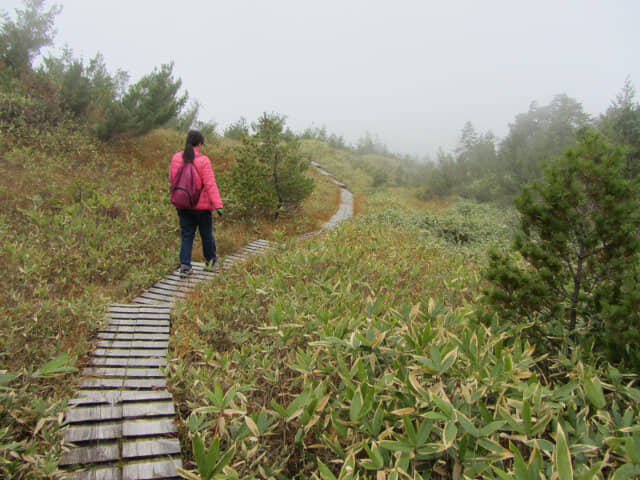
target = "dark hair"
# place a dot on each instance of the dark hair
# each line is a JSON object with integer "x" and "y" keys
{"x": 194, "y": 138}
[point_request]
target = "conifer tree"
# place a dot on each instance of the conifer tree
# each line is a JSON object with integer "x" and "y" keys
{"x": 268, "y": 175}
{"x": 577, "y": 250}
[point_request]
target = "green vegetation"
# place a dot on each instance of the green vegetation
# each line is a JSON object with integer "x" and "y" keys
{"x": 268, "y": 175}
{"x": 415, "y": 341}
{"x": 579, "y": 245}
{"x": 360, "y": 354}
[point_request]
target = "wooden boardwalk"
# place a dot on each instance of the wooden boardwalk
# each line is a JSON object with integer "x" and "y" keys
{"x": 122, "y": 420}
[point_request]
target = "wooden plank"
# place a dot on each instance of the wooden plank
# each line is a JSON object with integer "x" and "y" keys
{"x": 151, "y": 344}
{"x": 135, "y": 362}
{"x": 110, "y": 473}
{"x": 98, "y": 431}
{"x": 173, "y": 286}
{"x": 140, "y": 323}
{"x": 177, "y": 278}
{"x": 102, "y": 382}
{"x": 93, "y": 414}
{"x": 131, "y": 352}
{"x": 139, "y": 316}
{"x": 151, "y": 448}
{"x": 160, "y": 314}
{"x": 132, "y": 383}
{"x": 152, "y": 298}
{"x": 151, "y": 470}
{"x": 152, "y": 409}
{"x": 112, "y": 397}
{"x": 134, "y": 329}
{"x": 175, "y": 283}
{"x": 145, "y": 383}
{"x": 148, "y": 301}
{"x": 165, "y": 292}
{"x": 116, "y": 306}
{"x": 133, "y": 336}
{"x": 123, "y": 383}
{"x": 123, "y": 372}
{"x": 142, "y": 428}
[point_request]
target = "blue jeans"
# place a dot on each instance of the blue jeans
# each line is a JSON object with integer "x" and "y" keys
{"x": 190, "y": 220}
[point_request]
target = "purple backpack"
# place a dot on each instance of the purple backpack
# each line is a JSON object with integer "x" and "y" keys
{"x": 186, "y": 187}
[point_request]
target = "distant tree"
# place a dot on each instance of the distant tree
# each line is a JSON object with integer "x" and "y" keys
{"x": 576, "y": 268}
{"x": 537, "y": 136}
{"x": 149, "y": 103}
{"x": 22, "y": 39}
{"x": 207, "y": 128}
{"x": 268, "y": 175}
{"x": 86, "y": 91}
{"x": 187, "y": 118}
{"x": 621, "y": 125}
{"x": 442, "y": 178}
{"x": 237, "y": 130}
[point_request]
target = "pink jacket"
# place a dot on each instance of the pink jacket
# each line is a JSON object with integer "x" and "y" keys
{"x": 210, "y": 197}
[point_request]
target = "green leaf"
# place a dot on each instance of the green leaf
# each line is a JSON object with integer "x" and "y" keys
{"x": 61, "y": 364}
{"x": 325, "y": 473}
{"x": 449, "y": 434}
{"x": 205, "y": 461}
{"x": 395, "y": 446}
{"x": 356, "y": 406}
{"x": 443, "y": 404}
{"x": 561, "y": 456}
{"x": 593, "y": 389}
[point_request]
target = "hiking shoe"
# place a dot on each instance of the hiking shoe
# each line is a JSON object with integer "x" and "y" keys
{"x": 185, "y": 271}
{"x": 211, "y": 266}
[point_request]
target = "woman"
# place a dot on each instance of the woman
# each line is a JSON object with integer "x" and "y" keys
{"x": 200, "y": 216}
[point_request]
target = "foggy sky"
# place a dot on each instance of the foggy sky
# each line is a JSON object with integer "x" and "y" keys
{"x": 410, "y": 72}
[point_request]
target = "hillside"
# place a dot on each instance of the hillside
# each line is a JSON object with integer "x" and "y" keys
{"x": 367, "y": 353}
{"x": 86, "y": 224}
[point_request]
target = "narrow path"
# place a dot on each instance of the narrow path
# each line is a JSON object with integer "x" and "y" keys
{"x": 122, "y": 418}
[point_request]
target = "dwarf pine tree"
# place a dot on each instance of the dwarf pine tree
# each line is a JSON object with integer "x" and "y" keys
{"x": 268, "y": 175}
{"x": 576, "y": 263}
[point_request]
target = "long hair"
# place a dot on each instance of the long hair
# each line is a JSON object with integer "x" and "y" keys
{"x": 194, "y": 138}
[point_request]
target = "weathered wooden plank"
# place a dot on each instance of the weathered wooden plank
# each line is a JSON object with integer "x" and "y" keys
{"x": 148, "y": 301}
{"x": 152, "y": 311}
{"x": 139, "y": 316}
{"x": 152, "y": 409}
{"x": 163, "y": 292}
{"x": 102, "y": 382}
{"x": 140, "y": 323}
{"x": 120, "y": 306}
{"x": 142, "y": 428}
{"x": 123, "y": 383}
{"x": 151, "y": 344}
{"x": 177, "y": 278}
{"x": 151, "y": 470}
{"x": 133, "y": 336}
{"x": 145, "y": 383}
{"x": 134, "y": 329}
{"x": 93, "y": 414}
{"x": 150, "y": 448}
{"x": 110, "y": 473}
{"x": 130, "y": 352}
{"x": 135, "y": 362}
{"x": 122, "y": 372}
{"x": 176, "y": 283}
{"x": 152, "y": 298}
{"x": 98, "y": 431}
{"x": 112, "y": 397}
{"x": 173, "y": 286}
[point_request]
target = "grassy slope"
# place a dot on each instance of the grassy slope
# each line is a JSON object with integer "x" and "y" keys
{"x": 357, "y": 355}
{"x": 85, "y": 225}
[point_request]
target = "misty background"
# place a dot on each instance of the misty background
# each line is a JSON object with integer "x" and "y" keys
{"x": 409, "y": 73}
